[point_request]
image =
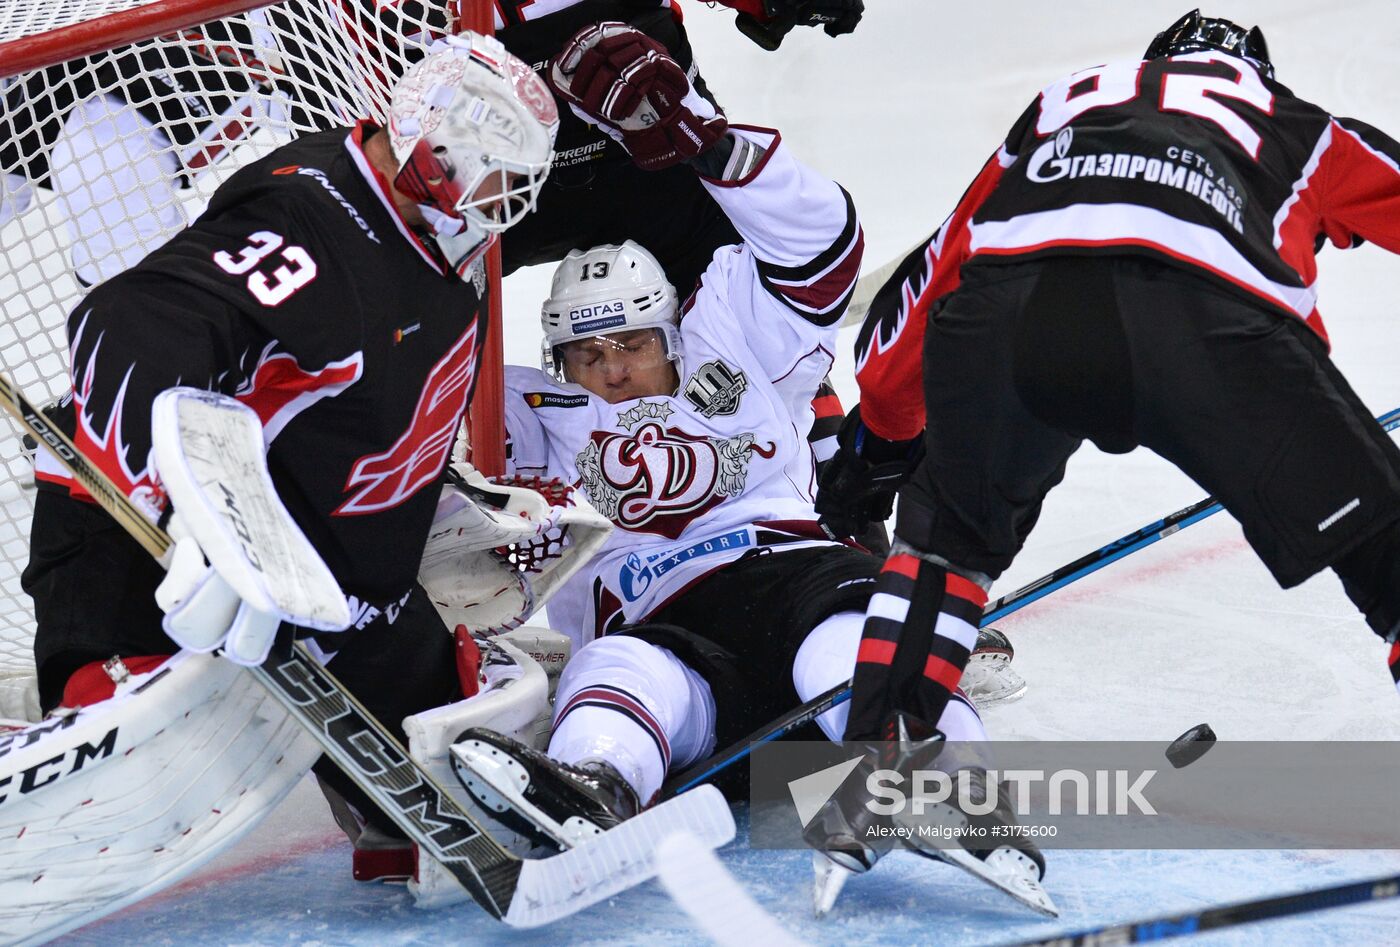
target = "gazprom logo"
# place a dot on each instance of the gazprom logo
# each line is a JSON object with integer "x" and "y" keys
{"x": 1050, "y": 161}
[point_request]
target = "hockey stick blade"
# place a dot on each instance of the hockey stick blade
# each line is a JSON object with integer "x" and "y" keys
{"x": 713, "y": 899}
{"x": 618, "y": 859}
{"x": 1006, "y": 605}
{"x": 1226, "y": 915}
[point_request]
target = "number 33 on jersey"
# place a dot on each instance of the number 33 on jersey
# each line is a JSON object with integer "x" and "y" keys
{"x": 294, "y": 270}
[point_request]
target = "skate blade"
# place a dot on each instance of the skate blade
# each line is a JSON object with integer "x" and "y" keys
{"x": 828, "y": 878}
{"x": 1006, "y": 869}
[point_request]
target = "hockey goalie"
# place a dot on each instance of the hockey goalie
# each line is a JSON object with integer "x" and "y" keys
{"x": 151, "y": 766}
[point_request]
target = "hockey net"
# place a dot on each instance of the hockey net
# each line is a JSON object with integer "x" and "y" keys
{"x": 118, "y": 120}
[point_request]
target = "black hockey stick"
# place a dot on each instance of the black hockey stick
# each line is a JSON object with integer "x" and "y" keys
{"x": 524, "y": 893}
{"x": 1008, "y": 603}
{"x": 1226, "y": 915}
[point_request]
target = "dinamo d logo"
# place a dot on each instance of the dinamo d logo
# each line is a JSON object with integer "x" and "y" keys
{"x": 659, "y": 479}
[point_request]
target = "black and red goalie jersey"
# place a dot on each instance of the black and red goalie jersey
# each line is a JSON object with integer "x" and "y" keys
{"x": 302, "y": 292}
{"x": 1199, "y": 160}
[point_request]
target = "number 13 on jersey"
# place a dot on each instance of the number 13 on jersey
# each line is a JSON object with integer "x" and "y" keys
{"x": 275, "y": 288}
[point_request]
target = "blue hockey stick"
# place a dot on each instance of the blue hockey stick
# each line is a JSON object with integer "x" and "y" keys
{"x": 1227, "y": 915}
{"x": 1011, "y": 602}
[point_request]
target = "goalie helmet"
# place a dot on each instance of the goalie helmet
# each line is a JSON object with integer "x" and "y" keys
{"x": 1194, "y": 33}
{"x": 603, "y": 291}
{"x": 468, "y": 114}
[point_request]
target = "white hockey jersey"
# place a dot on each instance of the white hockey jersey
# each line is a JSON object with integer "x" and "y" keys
{"x": 722, "y": 468}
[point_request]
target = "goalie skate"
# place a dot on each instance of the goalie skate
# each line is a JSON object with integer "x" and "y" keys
{"x": 105, "y": 805}
{"x": 989, "y": 677}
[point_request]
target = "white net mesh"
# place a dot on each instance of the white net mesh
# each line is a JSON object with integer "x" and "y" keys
{"x": 103, "y": 157}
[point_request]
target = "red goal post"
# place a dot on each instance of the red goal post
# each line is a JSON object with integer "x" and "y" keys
{"x": 118, "y": 118}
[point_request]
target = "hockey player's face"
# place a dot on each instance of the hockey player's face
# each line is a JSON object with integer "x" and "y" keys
{"x": 621, "y": 366}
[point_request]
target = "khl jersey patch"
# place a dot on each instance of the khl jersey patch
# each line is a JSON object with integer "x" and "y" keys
{"x": 715, "y": 388}
{"x": 658, "y": 479}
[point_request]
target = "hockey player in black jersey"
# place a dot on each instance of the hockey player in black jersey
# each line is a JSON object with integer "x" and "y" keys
{"x": 334, "y": 288}
{"x": 1135, "y": 266}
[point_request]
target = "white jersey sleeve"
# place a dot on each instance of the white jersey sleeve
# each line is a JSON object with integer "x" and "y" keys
{"x": 787, "y": 285}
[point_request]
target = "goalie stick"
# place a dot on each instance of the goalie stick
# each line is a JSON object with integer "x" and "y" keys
{"x": 1226, "y": 915}
{"x": 1008, "y": 603}
{"x": 520, "y": 892}
{"x": 714, "y": 899}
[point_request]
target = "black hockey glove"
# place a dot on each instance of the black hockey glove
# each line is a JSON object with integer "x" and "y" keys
{"x": 860, "y": 481}
{"x": 835, "y": 16}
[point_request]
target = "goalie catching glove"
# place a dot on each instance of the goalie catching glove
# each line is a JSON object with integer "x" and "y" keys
{"x": 860, "y": 481}
{"x": 240, "y": 565}
{"x": 625, "y": 82}
{"x": 499, "y": 549}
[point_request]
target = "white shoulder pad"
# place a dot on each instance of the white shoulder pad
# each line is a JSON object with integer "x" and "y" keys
{"x": 208, "y": 450}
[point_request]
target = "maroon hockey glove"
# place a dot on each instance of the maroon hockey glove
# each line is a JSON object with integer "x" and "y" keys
{"x": 857, "y": 487}
{"x": 623, "y": 81}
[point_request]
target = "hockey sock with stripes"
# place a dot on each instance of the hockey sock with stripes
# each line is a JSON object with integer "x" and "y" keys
{"x": 920, "y": 627}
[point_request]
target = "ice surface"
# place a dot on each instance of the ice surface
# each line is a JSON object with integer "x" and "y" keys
{"x": 903, "y": 113}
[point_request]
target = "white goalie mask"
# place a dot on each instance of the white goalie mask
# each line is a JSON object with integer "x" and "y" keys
{"x": 607, "y": 290}
{"x": 472, "y": 128}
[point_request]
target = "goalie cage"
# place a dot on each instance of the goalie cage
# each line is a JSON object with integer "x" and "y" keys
{"x": 186, "y": 91}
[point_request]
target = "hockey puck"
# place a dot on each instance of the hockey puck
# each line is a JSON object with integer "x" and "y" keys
{"x": 1191, "y": 745}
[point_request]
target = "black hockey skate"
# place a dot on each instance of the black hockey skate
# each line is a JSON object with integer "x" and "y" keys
{"x": 844, "y": 832}
{"x": 1015, "y": 865}
{"x": 551, "y": 803}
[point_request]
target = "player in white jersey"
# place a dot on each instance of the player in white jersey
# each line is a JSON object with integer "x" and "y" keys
{"x": 686, "y": 426}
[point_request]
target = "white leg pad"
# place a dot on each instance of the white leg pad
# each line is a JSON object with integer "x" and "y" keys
{"x": 147, "y": 786}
